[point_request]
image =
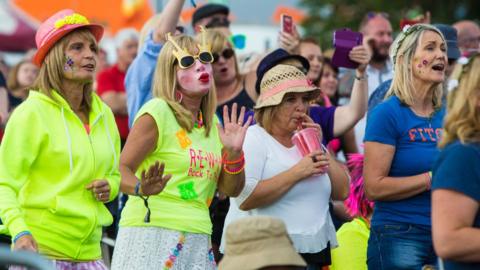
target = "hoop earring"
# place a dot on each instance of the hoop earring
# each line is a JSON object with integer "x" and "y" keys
{"x": 178, "y": 96}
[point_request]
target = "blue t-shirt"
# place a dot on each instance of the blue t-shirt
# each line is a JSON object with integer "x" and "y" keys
{"x": 458, "y": 168}
{"x": 325, "y": 118}
{"x": 415, "y": 141}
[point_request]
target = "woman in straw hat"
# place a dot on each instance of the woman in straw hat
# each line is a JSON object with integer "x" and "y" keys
{"x": 456, "y": 174}
{"x": 166, "y": 225}
{"x": 279, "y": 181}
{"x": 400, "y": 147}
{"x": 59, "y": 157}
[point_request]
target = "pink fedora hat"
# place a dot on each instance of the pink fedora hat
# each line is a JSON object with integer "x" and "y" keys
{"x": 59, "y": 25}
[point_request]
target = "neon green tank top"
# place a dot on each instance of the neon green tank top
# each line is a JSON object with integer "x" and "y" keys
{"x": 194, "y": 161}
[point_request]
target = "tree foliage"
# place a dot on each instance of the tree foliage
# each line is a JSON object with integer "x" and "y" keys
{"x": 324, "y": 16}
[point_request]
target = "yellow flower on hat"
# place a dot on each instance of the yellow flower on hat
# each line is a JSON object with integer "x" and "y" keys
{"x": 75, "y": 18}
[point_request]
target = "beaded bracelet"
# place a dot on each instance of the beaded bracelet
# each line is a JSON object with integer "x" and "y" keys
{"x": 234, "y": 171}
{"x": 20, "y": 234}
{"x": 232, "y": 162}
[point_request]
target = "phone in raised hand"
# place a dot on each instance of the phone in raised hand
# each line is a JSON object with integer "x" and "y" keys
{"x": 287, "y": 23}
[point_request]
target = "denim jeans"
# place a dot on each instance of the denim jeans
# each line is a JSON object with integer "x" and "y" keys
{"x": 400, "y": 246}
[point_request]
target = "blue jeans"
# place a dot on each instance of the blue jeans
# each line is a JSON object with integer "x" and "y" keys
{"x": 400, "y": 246}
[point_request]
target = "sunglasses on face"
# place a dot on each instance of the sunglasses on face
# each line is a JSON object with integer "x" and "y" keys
{"x": 185, "y": 59}
{"x": 226, "y": 54}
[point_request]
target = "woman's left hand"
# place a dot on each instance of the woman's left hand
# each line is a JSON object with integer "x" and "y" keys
{"x": 234, "y": 129}
{"x": 100, "y": 189}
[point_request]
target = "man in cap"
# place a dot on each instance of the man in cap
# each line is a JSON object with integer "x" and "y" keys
{"x": 468, "y": 36}
{"x": 211, "y": 15}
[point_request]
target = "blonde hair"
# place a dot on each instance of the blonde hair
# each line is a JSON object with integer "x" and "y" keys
{"x": 404, "y": 47}
{"x": 165, "y": 85}
{"x": 219, "y": 41}
{"x": 265, "y": 116}
{"x": 50, "y": 76}
{"x": 462, "y": 121}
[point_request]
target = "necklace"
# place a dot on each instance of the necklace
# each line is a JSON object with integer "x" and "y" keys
{"x": 199, "y": 122}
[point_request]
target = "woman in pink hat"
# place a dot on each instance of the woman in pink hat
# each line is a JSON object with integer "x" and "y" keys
{"x": 59, "y": 156}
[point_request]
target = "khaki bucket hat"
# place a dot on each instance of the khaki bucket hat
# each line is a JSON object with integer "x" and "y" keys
{"x": 257, "y": 242}
{"x": 280, "y": 80}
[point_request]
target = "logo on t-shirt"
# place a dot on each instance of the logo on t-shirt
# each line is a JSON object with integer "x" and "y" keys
{"x": 425, "y": 134}
{"x": 183, "y": 139}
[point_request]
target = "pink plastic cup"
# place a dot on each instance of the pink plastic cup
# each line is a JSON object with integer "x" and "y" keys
{"x": 307, "y": 140}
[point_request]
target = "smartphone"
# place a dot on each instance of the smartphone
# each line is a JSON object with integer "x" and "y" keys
{"x": 287, "y": 23}
{"x": 344, "y": 40}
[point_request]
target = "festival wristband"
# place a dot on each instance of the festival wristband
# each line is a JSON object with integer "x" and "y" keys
{"x": 20, "y": 234}
{"x": 137, "y": 189}
{"x": 232, "y": 162}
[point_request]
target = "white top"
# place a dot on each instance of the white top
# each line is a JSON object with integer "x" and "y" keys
{"x": 304, "y": 208}
{"x": 375, "y": 78}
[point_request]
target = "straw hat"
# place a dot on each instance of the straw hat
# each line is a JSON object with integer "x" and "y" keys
{"x": 257, "y": 242}
{"x": 282, "y": 79}
{"x": 59, "y": 25}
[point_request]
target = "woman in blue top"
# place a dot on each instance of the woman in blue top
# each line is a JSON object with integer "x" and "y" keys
{"x": 400, "y": 147}
{"x": 456, "y": 181}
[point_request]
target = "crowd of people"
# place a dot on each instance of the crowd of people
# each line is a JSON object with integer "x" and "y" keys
{"x": 184, "y": 156}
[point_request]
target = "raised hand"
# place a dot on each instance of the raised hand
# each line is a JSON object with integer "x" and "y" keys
{"x": 232, "y": 134}
{"x": 362, "y": 54}
{"x": 289, "y": 41}
{"x": 100, "y": 189}
{"x": 26, "y": 242}
{"x": 153, "y": 181}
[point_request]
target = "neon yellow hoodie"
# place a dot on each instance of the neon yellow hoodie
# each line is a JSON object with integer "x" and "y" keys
{"x": 46, "y": 160}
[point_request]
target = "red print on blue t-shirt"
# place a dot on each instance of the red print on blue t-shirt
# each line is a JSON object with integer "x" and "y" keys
{"x": 425, "y": 134}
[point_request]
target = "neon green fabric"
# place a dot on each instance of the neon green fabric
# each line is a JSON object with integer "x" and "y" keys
{"x": 351, "y": 252}
{"x": 195, "y": 164}
{"x": 46, "y": 160}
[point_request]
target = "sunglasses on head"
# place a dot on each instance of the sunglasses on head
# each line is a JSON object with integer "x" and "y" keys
{"x": 226, "y": 54}
{"x": 373, "y": 14}
{"x": 185, "y": 59}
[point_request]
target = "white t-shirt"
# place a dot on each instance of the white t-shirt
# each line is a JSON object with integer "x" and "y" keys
{"x": 375, "y": 78}
{"x": 304, "y": 208}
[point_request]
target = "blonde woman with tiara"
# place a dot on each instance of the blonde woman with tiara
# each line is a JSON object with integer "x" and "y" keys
{"x": 456, "y": 174}
{"x": 165, "y": 223}
{"x": 400, "y": 148}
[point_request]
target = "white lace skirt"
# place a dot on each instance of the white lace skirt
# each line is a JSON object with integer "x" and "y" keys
{"x": 145, "y": 248}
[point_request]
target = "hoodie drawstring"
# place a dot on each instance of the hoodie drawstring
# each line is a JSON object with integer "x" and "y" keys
{"x": 105, "y": 125}
{"x": 67, "y": 132}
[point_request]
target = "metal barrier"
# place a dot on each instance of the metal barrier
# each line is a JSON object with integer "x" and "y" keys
{"x": 26, "y": 259}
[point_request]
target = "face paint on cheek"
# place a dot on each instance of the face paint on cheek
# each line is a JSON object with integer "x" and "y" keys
{"x": 68, "y": 64}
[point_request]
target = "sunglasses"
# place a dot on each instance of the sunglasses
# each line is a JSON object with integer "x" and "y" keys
{"x": 373, "y": 14}
{"x": 226, "y": 54}
{"x": 185, "y": 59}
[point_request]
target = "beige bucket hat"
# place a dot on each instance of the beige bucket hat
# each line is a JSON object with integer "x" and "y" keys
{"x": 257, "y": 242}
{"x": 282, "y": 79}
